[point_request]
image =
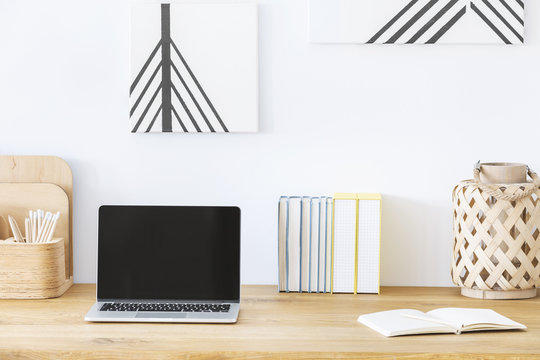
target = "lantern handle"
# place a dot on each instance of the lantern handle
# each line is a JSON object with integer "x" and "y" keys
{"x": 508, "y": 192}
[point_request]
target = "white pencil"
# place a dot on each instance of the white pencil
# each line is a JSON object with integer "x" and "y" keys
{"x": 34, "y": 226}
{"x": 53, "y": 227}
{"x": 31, "y": 227}
{"x": 15, "y": 229}
{"x": 27, "y": 228}
{"x": 39, "y": 218}
{"x": 41, "y": 225}
{"x": 29, "y": 231}
{"x": 41, "y": 230}
{"x": 50, "y": 228}
{"x": 45, "y": 227}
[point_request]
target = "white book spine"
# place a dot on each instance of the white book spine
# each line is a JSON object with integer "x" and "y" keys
{"x": 328, "y": 255}
{"x": 293, "y": 243}
{"x": 344, "y": 246}
{"x": 282, "y": 243}
{"x": 369, "y": 225}
{"x": 322, "y": 244}
{"x": 314, "y": 246}
{"x": 304, "y": 247}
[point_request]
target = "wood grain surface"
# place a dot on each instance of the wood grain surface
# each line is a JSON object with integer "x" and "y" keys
{"x": 271, "y": 325}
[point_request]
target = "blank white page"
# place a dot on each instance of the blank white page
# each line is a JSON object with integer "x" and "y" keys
{"x": 344, "y": 245}
{"x": 467, "y": 317}
{"x": 369, "y": 224}
{"x": 393, "y": 323}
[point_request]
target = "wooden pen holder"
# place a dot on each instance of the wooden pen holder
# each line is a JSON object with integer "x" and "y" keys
{"x": 33, "y": 271}
{"x": 30, "y": 271}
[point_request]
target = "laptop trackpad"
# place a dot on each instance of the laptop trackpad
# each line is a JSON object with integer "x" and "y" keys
{"x": 161, "y": 315}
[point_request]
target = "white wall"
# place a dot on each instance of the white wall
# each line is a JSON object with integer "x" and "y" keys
{"x": 406, "y": 121}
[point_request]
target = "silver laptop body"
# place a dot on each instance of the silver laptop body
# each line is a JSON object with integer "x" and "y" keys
{"x": 178, "y": 264}
{"x": 96, "y": 315}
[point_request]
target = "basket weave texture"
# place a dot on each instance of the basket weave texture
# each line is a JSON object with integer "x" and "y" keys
{"x": 496, "y": 235}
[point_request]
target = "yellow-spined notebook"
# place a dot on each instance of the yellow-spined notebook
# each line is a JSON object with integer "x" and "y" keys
{"x": 356, "y": 235}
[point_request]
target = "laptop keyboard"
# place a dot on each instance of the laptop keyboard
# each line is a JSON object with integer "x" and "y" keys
{"x": 175, "y": 307}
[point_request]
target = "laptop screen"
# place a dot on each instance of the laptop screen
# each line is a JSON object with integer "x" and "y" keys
{"x": 168, "y": 253}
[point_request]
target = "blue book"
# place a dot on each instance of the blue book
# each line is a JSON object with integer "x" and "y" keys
{"x": 304, "y": 244}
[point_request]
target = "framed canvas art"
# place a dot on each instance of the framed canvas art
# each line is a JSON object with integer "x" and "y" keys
{"x": 417, "y": 21}
{"x": 194, "y": 68}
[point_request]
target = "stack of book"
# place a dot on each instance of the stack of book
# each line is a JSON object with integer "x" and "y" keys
{"x": 329, "y": 245}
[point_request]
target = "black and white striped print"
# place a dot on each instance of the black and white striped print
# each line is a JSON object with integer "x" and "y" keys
{"x": 504, "y": 17}
{"x": 427, "y": 21}
{"x": 167, "y": 89}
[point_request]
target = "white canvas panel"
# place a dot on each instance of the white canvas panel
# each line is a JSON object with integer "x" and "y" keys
{"x": 206, "y": 56}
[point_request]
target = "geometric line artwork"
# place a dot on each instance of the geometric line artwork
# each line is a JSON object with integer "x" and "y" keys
{"x": 418, "y": 17}
{"x": 417, "y": 21}
{"x": 489, "y": 16}
{"x": 167, "y": 87}
{"x": 167, "y": 94}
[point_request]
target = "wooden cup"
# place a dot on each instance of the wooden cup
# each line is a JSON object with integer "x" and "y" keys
{"x": 32, "y": 270}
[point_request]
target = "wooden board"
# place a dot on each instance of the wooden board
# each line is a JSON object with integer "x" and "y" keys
{"x": 271, "y": 325}
{"x": 17, "y": 199}
{"x": 41, "y": 169}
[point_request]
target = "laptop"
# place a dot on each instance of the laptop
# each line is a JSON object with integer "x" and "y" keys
{"x": 168, "y": 264}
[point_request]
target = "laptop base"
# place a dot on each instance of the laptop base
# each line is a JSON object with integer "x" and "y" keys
{"x": 95, "y": 315}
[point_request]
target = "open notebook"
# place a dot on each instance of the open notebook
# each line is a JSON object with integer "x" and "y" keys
{"x": 439, "y": 321}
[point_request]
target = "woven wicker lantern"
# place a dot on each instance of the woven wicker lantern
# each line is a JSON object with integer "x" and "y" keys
{"x": 497, "y": 233}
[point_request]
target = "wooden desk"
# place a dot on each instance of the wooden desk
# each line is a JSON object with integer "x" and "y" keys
{"x": 271, "y": 325}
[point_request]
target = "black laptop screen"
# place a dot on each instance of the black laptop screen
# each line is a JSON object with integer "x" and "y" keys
{"x": 169, "y": 253}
